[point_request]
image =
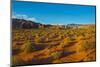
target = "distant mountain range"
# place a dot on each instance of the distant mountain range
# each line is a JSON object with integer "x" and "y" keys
{"x": 26, "y": 24}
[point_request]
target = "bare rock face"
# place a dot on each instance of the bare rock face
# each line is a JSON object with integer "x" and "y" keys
{"x": 24, "y": 24}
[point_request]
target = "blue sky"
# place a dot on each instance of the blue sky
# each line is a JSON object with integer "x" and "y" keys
{"x": 53, "y": 13}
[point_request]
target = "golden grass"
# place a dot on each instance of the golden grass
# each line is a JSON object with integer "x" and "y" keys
{"x": 36, "y": 46}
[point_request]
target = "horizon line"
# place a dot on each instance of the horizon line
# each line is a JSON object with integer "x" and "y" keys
{"x": 58, "y": 23}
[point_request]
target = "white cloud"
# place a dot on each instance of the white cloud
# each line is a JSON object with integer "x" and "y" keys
{"x": 13, "y": 16}
{"x": 32, "y": 19}
{"x": 22, "y": 16}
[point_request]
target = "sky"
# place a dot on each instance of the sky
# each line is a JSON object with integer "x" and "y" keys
{"x": 47, "y": 13}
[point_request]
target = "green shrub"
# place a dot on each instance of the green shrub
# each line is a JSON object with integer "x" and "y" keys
{"x": 57, "y": 55}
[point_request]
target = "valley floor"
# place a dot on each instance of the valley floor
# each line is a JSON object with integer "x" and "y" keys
{"x": 47, "y": 46}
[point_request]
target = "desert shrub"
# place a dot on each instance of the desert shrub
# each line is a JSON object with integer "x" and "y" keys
{"x": 64, "y": 42}
{"x": 46, "y": 39}
{"x": 29, "y": 47}
{"x": 37, "y": 39}
{"x": 16, "y": 51}
{"x": 86, "y": 45}
{"x": 57, "y": 55}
